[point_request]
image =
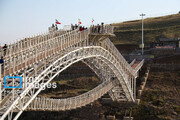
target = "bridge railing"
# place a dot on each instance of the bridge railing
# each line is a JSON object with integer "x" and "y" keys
{"x": 102, "y": 29}
{"x": 26, "y": 43}
{"x": 15, "y": 61}
{"x": 72, "y": 102}
{"x": 120, "y": 58}
{"x": 139, "y": 65}
{"x": 30, "y": 41}
{"x": 129, "y": 73}
{"x": 133, "y": 62}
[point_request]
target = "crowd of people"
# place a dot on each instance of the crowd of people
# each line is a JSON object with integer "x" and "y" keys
{"x": 81, "y": 28}
{"x": 53, "y": 28}
{"x": 94, "y": 28}
{"x": 73, "y": 27}
{"x": 97, "y": 28}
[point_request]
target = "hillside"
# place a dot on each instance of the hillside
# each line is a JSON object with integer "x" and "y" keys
{"x": 129, "y": 32}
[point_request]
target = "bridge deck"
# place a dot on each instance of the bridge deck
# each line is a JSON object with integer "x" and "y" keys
{"x": 135, "y": 65}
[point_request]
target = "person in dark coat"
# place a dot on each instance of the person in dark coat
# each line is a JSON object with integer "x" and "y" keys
{"x": 5, "y": 49}
{"x": 56, "y": 27}
{"x": 83, "y": 28}
{"x": 99, "y": 27}
{"x": 2, "y": 65}
{"x": 102, "y": 27}
{"x": 53, "y": 26}
{"x": 72, "y": 27}
{"x": 76, "y": 26}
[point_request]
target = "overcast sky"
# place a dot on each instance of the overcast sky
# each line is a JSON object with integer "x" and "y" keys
{"x": 24, "y": 18}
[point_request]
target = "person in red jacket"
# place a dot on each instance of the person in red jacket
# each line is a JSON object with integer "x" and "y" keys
{"x": 80, "y": 28}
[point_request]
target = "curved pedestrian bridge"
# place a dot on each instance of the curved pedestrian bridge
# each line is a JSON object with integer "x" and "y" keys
{"x": 45, "y": 56}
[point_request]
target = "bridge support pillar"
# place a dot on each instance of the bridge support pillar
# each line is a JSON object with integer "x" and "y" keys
{"x": 139, "y": 93}
{"x": 134, "y": 82}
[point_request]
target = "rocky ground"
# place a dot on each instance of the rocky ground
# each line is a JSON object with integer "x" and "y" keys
{"x": 161, "y": 98}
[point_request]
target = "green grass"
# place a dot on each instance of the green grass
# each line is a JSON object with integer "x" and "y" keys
{"x": 130, "y": 32}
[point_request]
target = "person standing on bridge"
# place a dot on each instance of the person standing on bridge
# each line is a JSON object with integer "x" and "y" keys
{"x": 92, "y": 28}
{"x": 56, "y": 27}
{"x": 102, "y": 27}
{"x": 76, "y": 26}
{"x": 95, "y": 29}
{"x": 80, "y": 28}
{"x": 98, "y": 28}
{"x": 5, "y": 49}
{"x": 72, "y": 27}
{"x": 2, "y": 65}
{"x": 53, "y": 26}
{"x": 83, "y": 28}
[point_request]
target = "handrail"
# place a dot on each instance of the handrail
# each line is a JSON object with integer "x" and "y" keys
{"x": 31, "y": 41}
{"x": 30, "y": 46}
{"x": 139, "y": 65}
{"x": 101, "y": 29}
{"x": 133, "y": 62}
{"x": 119, "y": 56}
{"x": 67, "y": 37}
{"x": 72, "y": 102}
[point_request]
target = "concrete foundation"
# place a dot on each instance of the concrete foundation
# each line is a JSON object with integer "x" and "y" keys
{"x": 127, "y": 118}
{"x": 110, "y": 117}
{"x": 139, "y": 93}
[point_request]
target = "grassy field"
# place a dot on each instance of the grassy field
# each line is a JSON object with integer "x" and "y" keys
{"x": 130, "y": 32}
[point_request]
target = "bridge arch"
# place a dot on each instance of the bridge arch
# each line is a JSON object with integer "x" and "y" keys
{"x": 95, "y": 52}
{"x": 107, "y": 83}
